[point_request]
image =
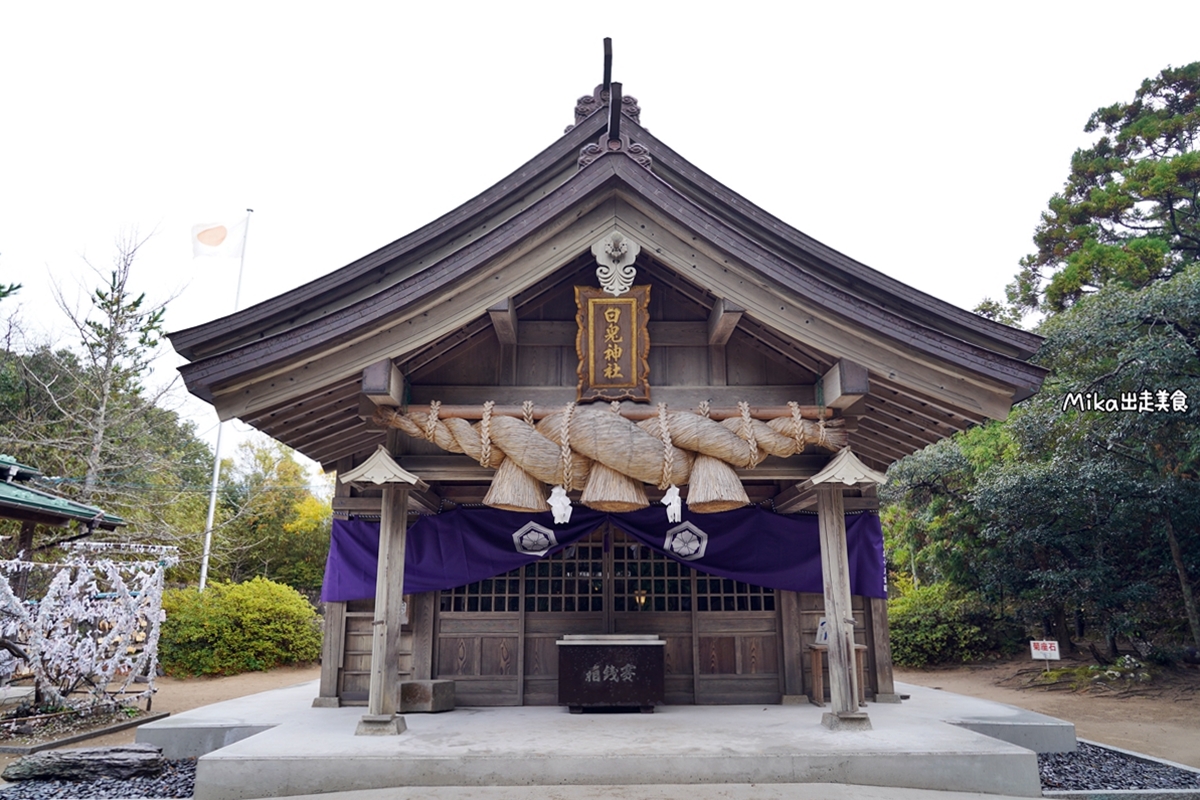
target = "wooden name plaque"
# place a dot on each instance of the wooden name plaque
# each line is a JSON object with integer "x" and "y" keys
{"x": 612, "y": 344}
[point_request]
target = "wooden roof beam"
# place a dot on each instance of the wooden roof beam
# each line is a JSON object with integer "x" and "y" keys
{"x": 801, "y": 497}
{"x": 723, "y": 319}
{"x": 444, "y": 345}
{"x": 383, "y": 384}
{"x": 678, "y": 398}
{"x": 364, "y": 442}
{"x": 914, "y": 428}
{"x": 423, "y": 497}
{"x": 868, "y": 450}
{"x": 504, "y": 320}
{"x": 769, "y": 343}
{"x": 333, "y": 393}
{"x": 891, "y": 439}
{"x": 903, "y": 408}
{"x": 296, "y": 433}
{"x": 816, "y": 363}
{"x": 923, "y": 404}
{"x": 332, "y": 430}
{"x": 844, "y": 384}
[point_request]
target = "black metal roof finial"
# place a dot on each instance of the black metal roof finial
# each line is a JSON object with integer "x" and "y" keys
{"x": 614, "y": 112}
{"x": 607, "y": 62}
{"x": 603, "y": 95}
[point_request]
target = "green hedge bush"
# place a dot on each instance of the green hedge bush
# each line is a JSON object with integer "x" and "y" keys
{"x": 936, "y": 624}
{"x": 233, "y": 628}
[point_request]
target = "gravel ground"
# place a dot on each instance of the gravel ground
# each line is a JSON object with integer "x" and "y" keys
{"x": 177, "y": 780}
{"x": 1091, "y": 767}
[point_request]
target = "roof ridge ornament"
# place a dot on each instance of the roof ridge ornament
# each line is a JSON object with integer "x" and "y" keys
{"x": 590, "y": 104}
{"x": 613, "y": 141}
{"x": 594, "y": 150}
{"x": 587, "y": 105}
{"x": 615, "y": 256}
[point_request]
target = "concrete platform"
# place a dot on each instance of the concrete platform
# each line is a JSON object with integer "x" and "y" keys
{"x": 275, "y": 745}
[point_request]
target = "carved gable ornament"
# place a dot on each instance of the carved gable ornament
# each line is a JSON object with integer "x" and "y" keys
{"x": 612, "y": 341}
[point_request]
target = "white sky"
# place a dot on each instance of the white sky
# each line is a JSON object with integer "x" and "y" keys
{"x": 921, "y": 139}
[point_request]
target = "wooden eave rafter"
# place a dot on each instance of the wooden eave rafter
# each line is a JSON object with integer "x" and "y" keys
{"x": 328, "y": 453}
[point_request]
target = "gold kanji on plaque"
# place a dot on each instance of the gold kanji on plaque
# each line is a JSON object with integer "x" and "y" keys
{"x": 612, "y": 344}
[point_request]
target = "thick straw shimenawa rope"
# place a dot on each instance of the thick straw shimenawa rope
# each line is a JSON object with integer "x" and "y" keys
{"x": 635, "y": 450}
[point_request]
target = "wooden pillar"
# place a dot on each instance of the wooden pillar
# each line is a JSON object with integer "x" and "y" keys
{"x": 332, "y": 652}
{"x": 421, "y": 614}
{"x": 25, "y": 553}
{"x": 839, "y": 612}
{"x": 885, "y": 686}
{"x": 333, "y": 645}
{"x": 793, "y": 648}
{"x": 381, "y": 717}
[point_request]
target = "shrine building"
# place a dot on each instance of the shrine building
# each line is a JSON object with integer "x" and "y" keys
{"x": 607, "y": 396}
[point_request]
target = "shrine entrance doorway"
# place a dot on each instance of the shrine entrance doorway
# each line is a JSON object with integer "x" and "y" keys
{"x": 496, "y": 638}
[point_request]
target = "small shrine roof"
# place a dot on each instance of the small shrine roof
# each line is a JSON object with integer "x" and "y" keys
{"x": 13, "y": 470}
{"x": 23, "y": 502}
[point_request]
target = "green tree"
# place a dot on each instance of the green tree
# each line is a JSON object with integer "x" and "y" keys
{"x": 933, "y": 529}
{"x": 1130, "y": 210}
{"x": 1140, "y": 350}
{"x": 118, "y": 336}
{"x": 271, "y": 526}
{"x": 85, "y": 417}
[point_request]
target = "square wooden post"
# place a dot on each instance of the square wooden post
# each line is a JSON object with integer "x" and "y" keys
{"x": 835, "y": 571}
{"x": 383, "y": 694}
{"x": 381, "y": 717}
{"x": 844, "y": 469}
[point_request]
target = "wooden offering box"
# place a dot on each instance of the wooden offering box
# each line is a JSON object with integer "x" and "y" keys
{"x": 610, "y": 671}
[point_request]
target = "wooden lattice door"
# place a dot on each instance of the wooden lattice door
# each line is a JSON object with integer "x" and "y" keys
{"x": 496, "y": 638}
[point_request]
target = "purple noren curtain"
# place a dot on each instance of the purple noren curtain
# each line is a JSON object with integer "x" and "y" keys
{"x": 458, "y": 547}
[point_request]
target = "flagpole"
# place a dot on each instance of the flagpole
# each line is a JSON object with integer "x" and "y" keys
{"x": 216, "y": 471}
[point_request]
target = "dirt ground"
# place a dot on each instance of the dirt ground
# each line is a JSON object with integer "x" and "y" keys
{"x": 1161, "y": 718}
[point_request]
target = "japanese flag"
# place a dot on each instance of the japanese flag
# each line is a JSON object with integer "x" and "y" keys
{"x": 215, "y": 239}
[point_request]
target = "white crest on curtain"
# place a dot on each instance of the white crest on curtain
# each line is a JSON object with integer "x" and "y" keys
{"x": 534, "y": 539}
{"x": 686, "y": 542}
